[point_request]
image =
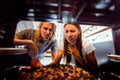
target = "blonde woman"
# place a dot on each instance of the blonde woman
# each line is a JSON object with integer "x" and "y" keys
{"x": 38, "y": 41}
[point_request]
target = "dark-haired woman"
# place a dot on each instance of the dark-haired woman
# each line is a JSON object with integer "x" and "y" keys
{"x": 76, "y": 51}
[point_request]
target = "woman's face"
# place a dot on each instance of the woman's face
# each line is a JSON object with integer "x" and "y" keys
{"x": 46, "y": 30}
{"x": 71, "y": 33}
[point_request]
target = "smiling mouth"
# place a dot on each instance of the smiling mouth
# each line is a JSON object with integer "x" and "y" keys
{"x": 46, "y": 36}
{"x": 70, "y": 39}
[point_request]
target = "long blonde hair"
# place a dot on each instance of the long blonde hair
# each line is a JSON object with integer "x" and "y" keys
{"x": 38, "y": 32}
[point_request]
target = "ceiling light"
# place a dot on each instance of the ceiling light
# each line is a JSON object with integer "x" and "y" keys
{"x": 30, "y": 14}
{"x": 102, "y": 4}
{"x": 99, "y": 14}
{"x": 31, "y": 10}
{"x": 112, "y": 8}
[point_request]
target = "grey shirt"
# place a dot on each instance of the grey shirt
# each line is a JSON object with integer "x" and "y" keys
{"x": 43, "y": 46}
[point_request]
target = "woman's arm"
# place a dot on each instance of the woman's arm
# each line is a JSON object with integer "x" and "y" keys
{"x": 73, "y": 50}
{"x": 54, "y": 54}
{"x": 91, "y": 60}
{"x": 33, "y": 50}
{"x": 54, "y": 49}
{"x": 92, "y": 63}
{"x": 57, "y": 59}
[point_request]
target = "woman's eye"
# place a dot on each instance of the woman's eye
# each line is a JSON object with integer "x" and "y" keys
{"x": 50, "y": 29}
{"x": 66, "y": 31}
{"x": 45, "y": 28}
{"x": 72, "y": 31}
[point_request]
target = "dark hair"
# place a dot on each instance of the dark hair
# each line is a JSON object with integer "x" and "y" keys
{"x": 79, "y": 45}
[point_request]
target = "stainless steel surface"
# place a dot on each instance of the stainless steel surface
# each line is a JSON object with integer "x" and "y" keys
{"x": 115, "y": 58}
{"x": 12, "y": 51}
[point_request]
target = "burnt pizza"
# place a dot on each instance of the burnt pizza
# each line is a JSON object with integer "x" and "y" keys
{"x": 60, "y": 72}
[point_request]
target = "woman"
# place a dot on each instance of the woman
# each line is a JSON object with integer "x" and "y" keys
{"x": 38, "y": 41}
{"x": 76, "y": 51}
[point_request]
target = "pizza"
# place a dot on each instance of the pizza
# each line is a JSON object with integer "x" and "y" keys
{"x": 59, "y": 72}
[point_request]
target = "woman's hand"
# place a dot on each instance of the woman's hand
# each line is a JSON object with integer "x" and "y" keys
{"x": 70, "y": 49}
{"x": 76, "y": 53}
{"x": 73, "y": 50}
{"x": 33, "y": 50}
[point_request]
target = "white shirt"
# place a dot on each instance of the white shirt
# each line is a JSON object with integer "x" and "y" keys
{"x": 87, "y": 47}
